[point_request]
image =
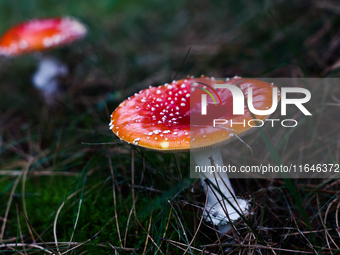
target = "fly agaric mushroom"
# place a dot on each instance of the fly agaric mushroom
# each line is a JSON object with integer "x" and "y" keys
{"x": 168, "y": 118}
{"x": 40, "y": 35}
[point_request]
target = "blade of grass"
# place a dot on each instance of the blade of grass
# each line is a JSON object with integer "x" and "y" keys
{"x": 19, "y": 224}
{"x": 97, "y": 111}
{"x": 179, "y": 69}
{"x": 27, "y": 166}
{"x": 114, "y": 199}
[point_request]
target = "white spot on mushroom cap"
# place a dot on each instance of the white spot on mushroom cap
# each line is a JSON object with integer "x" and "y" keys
{"x": 135, "y": 142}
{"x": 23, "y": 44}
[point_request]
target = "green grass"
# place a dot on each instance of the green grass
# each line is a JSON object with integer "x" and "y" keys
{"x": 68, "y": 177}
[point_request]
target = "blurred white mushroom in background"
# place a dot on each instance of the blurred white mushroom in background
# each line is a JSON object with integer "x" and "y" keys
{"x": 46, "y": 78}
{"x": 38, "y": 36}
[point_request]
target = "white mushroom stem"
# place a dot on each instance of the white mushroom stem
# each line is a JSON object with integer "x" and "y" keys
{"x": 217, "y": 206}
{"x": 46, "y": 77}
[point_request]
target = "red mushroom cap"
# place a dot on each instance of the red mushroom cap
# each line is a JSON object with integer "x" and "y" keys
{"x": 163, "y": 118}
{"x": 40, "y": 35}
